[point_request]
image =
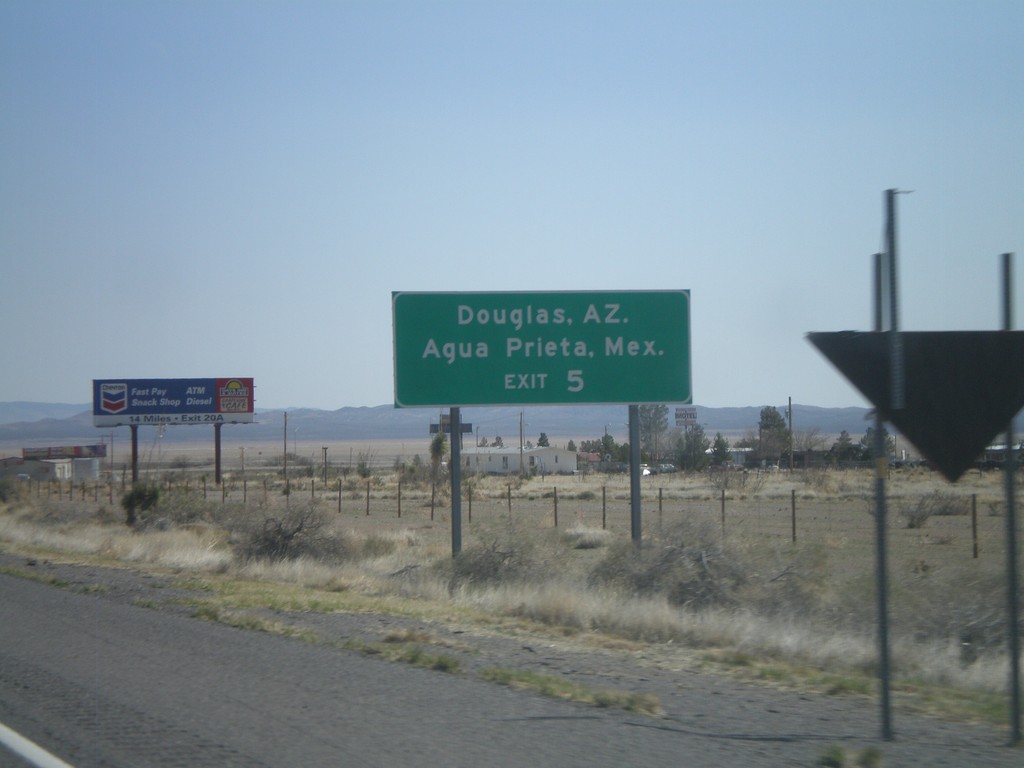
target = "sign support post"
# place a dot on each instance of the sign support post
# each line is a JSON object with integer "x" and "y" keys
{"x": 635, "y": 526}
{"x": 456, "y": 471}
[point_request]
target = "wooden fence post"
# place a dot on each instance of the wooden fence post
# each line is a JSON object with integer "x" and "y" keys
{"x": 974, "y": 523}
{"x": 793, "y": 507}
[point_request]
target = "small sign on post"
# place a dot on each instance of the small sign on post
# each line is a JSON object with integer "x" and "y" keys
{"x": 686, "y": 417}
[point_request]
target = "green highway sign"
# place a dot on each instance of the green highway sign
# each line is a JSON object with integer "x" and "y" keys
{"x": 548, "y": 348}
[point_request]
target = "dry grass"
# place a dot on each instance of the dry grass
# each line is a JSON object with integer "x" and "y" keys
{"x": 706, "y": 577}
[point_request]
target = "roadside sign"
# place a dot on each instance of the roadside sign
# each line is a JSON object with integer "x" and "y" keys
{"x": 686, "y": 417}
{"x": 66, "y": 452}
{"x": 548, "y": 348}
{"x": 172, "y": 401}
{"x": 962, "y": 387}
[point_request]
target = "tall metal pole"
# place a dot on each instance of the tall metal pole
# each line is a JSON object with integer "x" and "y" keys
{"x": 897, "y": 379}
{"x": 1012, "y": 587}
{"x": 881, "y": 568}
{"x": 634, "y": 473}
{"x": 455, "y": 420}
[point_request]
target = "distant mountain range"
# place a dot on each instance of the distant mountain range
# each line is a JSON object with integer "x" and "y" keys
{"x": 60, "y": 423}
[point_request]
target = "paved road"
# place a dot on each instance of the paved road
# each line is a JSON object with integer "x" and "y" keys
{"x": 103, "y": 683}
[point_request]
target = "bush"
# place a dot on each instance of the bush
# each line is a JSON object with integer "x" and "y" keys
{"x": 296, "y": 533}
{"x": 506, "y": 557}
{"x": 686, "y": 570}
{"x": 8, "y": 490}
{"x": 937, "y": 503}
{"x": 141, "y": 498}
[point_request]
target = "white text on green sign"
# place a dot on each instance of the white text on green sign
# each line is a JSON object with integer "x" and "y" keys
{"x": 541, "y": 348}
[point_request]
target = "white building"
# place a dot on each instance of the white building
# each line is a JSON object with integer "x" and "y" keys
{"x": 506, "y": 460}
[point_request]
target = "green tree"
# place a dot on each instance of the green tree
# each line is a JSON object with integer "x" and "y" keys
{"x": 772, "y": 434}
{"x": 721, "y": 451}
{"x": 691, "y": 450}
{"x": 867, "y": 444}
{"x": 843, "y": 449}
{"x": 653, "y": 426}
{"x": 542, "y": 441}
{"x": 571, "y": 446}
{"x": 438, "y": 449}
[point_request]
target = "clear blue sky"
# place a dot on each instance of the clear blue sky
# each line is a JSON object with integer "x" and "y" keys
{"x": 201, "y": 188}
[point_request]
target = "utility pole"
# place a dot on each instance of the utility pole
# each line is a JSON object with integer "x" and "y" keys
{"x": 789, "y": 412}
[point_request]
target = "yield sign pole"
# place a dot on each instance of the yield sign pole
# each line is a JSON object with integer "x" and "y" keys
{"x": 1011, "y": 531}
{"x": 896, "y": 384}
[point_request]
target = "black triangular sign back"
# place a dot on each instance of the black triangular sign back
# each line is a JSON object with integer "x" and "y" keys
{"x": 962, "y": 388}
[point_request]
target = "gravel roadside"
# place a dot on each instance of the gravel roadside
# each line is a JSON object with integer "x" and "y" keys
{"x": 787, "y": 726}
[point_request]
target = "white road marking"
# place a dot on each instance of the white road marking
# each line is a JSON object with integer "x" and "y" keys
{"x": 29, "y": 750}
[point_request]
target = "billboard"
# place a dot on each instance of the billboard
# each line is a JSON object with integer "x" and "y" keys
{"x": 116, "y": 402}
{"x": 548, "y": 348}
{"x": 66, "y": 452}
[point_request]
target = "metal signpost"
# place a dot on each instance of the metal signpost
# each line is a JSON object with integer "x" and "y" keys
{"x": 547, "y": 348}
{"x": 911, "y": 377}
{"x": 158, "y": 402}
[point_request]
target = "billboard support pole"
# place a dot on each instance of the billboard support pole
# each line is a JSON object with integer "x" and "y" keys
{"x": 135, "y": 452}
{"x": 216, "y": 453}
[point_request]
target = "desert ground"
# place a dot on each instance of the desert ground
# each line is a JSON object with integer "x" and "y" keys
{"x": 766, "y": 576}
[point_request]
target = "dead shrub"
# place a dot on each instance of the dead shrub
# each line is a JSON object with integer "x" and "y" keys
{"x": 500, "y": 558}
{"x": 288, "y": 535}
{"x": 938, "y": 503}
{"x": 688, "y": 569}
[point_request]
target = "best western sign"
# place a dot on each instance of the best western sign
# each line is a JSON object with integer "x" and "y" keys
{"x": 456, "y": 349}
{"x": 171, "y": 401}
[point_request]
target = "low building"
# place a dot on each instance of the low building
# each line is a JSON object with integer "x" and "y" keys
{"x": 16, "y": 466}
{"x": 506, "y": 460}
